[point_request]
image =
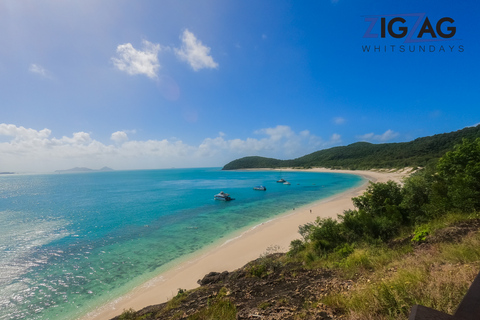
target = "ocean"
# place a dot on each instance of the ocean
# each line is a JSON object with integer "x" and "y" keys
{"x": 72, "y": 242}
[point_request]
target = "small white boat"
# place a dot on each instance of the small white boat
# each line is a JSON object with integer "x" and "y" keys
{"x": 287, "y": 183}
{"x": 281, "y": 181}
{"x": 222, "y": 196}
{"x": 261, "y": 188}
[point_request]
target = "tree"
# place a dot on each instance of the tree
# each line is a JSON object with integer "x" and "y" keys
{"x": 460, "y": 170}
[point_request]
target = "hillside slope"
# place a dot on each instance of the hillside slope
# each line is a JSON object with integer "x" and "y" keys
{"x": 364, "y": 155}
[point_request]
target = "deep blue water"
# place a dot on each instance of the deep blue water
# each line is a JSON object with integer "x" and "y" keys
{"x": 71, "y": 242}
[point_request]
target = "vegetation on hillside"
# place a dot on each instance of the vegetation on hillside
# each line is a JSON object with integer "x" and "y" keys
{"x": 363, "y": 155}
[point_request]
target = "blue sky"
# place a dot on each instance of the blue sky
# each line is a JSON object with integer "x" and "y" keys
{"x": 159, "y": 84}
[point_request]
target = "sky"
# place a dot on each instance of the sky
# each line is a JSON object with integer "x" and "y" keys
{"x": 159, "y": 84}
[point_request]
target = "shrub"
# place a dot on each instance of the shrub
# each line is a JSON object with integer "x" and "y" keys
{"x": 420, "y": 234}
{"x": 460, "y": 169}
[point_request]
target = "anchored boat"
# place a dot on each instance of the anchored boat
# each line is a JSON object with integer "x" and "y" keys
{"x": 222, "y": 196}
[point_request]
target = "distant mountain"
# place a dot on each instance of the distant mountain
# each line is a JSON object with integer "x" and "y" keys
{"x": 364, "y": 155}
{"x": 106, "y": 169}
{"x": 83, "y": 169}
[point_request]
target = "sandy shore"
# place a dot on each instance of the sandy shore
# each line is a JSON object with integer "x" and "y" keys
{"x": 243, "y": 248}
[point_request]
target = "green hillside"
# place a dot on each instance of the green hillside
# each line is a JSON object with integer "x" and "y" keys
{"x": 364, "y": 155}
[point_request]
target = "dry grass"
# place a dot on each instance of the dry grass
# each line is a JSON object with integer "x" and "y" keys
{"x": 437, "y": 276}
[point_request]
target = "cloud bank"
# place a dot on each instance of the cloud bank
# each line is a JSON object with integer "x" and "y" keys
{"x": 30, "y": 150}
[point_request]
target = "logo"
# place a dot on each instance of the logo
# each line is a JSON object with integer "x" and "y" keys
{"x": 402, "y": 33}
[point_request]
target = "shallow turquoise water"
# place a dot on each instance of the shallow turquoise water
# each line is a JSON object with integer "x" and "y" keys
{"x": 71, "y": 242}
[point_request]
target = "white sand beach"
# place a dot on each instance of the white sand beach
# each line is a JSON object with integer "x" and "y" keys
{"x": 241, "y": 249}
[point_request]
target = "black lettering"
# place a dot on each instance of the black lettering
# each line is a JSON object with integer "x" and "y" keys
{"x": 375, "y": 48}
{"x": 421, "y": 48}
{"x": 460, "y": 48}
{"x": 366, "y": 48}
{"x": 426, "y": 28}
{"x": 410, "y": 48}
{"x": 441, "y": 49}
{"x": 382, "y": 31}
{"x": 451, "y": 48}
{"x": 452, "y": 30}
{"x": 431, "y": 48}
{"x": 403, "y": 30}
{"x": 402, "y": 48}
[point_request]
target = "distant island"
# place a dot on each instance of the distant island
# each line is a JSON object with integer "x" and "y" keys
{"x": 5, "y": 172}
{"x": 83, "y": 169}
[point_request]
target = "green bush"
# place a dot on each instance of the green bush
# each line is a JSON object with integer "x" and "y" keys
{"x": 296, "y": 246}
{"x": 460, "y": 169}
{"x": 328, "y": 235}
{"x": 420, "y": 234}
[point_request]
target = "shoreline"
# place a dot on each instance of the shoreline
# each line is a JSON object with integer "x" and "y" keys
{"x": 241, "y": 248}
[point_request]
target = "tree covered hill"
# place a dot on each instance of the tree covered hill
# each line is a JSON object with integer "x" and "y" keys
{"x": 364, "y": 155}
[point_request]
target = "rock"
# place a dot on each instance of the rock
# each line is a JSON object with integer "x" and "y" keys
{"x": 213, "y": 277}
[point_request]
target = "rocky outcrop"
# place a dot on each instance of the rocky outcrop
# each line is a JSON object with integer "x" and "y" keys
{"x": 280, "y": 291}
{"x": 213, "y": 277}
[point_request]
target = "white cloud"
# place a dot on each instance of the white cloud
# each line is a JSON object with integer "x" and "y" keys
{"x": 21, "y": 133}
{"x": 338, "y": 120}
{"x": 78, "y": 138}
{"x": 119, "y": 136}
{"x": 38, "y": 69}
{"x": 386, "y": 136}
{"x": 335, "y": 139}
{"x": 28, "y": 149}
{"x": 194, "y": 52}
{"x": 134, "y": 61}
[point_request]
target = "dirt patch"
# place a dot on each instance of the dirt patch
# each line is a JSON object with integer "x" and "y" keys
{"x": 455, "y": 232}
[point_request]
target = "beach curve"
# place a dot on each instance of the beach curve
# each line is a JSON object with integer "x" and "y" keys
{"x": 242, "y": 248}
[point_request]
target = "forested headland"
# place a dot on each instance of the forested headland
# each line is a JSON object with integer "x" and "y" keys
{"x": 363, "y": 155}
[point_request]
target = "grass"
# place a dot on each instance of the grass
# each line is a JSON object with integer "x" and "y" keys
{"x": 130, "y": 314}
{"x": 266, "y": 264}
{"x": 437, "y": 278}
{"x": 218, "y": 308}
{"x": 363, "y": 260}
{"x": 467, "y": 251}
{"x": 176, "y": 301}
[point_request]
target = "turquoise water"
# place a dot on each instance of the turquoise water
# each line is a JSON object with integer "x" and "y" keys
{"x": 71, "y": 242}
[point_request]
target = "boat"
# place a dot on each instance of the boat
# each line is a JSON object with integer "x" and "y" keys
{"x": 281, "y": 181}
{"x": 287, "y": 183}
{"x": 261, "y": 188}
{"x": 222, "y": 196}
